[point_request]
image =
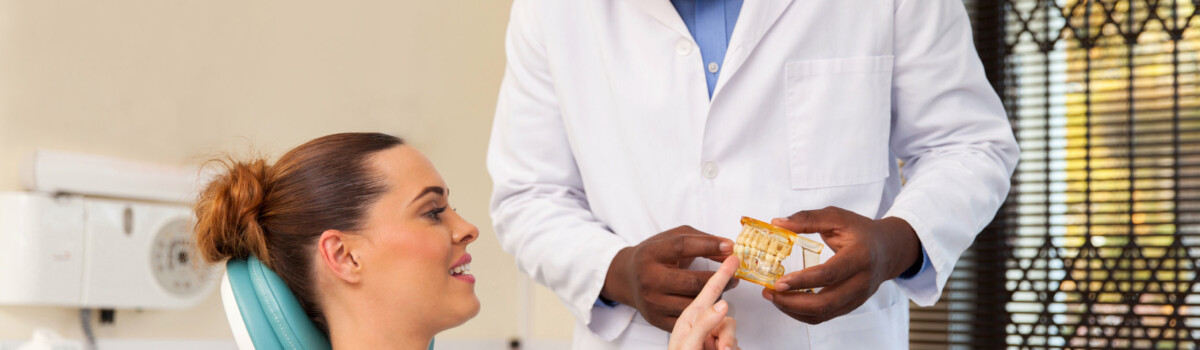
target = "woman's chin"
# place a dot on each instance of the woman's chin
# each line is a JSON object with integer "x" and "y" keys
{"x": 472, "y": 307}
{"x": 465, "y": 311}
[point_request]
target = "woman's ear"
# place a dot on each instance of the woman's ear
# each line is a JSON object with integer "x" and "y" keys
{"x": 338, "y": 254}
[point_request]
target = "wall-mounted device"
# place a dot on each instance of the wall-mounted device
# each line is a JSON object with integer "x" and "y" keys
{"x": 99, "y": 232}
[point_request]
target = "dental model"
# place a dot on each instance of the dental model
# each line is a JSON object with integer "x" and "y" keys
{"x": 761, "y": 247}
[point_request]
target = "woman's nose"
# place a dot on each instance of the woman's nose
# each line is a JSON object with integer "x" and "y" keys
{"x": 466, "y": 232}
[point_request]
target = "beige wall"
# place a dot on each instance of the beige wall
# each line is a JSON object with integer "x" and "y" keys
{"x": 179, "y": 81}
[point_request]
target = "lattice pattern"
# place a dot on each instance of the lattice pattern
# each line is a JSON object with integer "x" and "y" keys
{"x": 1103, "y": 224}
{"x": 1098, "y": 244}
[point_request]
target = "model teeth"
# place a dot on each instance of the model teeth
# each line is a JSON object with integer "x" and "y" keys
{"x": 762, "y": 251}
{"x": 761, "y": 247}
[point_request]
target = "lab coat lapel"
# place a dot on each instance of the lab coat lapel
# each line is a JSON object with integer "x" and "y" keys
{"x": 664, "y": 12}
{"x": 757, "y": 17}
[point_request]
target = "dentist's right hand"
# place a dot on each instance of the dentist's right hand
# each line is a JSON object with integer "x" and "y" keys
{"x": 704, "y": 324}
{"x": 652, "y": 276}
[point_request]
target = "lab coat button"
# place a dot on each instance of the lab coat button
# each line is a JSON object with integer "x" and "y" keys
{"x": 712, "y": 67}
{"x": 683, "y": 48}
{"x": 710, "y": 169}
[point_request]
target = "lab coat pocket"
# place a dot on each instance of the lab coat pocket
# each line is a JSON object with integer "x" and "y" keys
{"x": 838, "y": 119}
{"x": 881, "y": 329}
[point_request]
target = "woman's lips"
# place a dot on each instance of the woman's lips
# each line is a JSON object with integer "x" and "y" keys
{"x": 462, "y": 268}
{"x": 462, "y": 260}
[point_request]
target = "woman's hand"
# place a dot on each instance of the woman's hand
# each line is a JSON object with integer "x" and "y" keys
{"x": 703, "y": 324}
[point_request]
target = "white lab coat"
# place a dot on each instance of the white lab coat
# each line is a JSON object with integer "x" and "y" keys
{"x": 605, "y": 135}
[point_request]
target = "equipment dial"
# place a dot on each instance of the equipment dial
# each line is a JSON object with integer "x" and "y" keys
{"x": 173, "y": 260}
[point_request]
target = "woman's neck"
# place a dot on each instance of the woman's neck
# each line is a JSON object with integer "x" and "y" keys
{"x": 371, "y": 329}
{"x": 359, "y": 336}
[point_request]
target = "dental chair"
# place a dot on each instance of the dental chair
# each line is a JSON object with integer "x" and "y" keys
{"x": 263, "y": 313}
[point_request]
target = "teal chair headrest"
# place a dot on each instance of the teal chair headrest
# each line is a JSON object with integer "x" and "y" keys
{"x": 263, "y": 312}
{"x": 270, "y": 312}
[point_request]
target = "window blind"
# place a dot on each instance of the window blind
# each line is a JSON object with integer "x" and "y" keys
{"x": 1098, "y": 243}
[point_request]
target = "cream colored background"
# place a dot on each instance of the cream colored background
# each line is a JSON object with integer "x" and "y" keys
{"x": 181, "y": 80}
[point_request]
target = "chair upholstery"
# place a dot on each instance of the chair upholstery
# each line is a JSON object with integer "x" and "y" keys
{"x": 263, "y": 312}
{"x": 269, "y": 313}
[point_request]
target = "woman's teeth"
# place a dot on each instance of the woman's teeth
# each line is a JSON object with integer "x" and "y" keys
{"x": 460, "y": 269}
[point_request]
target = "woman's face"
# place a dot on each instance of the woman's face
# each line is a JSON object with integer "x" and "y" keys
{"x": 414, "y": 261}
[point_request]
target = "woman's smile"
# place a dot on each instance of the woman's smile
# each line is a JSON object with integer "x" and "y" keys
{"x": 462, "y": 269}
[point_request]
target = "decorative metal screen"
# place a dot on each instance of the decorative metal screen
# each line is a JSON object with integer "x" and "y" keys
{"x": 1098, "y": 244}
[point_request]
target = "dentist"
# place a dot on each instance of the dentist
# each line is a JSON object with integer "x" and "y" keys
{"x": 631, "y": 135}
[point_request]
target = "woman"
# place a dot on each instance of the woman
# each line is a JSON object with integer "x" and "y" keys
{"x": 358, "y": 226}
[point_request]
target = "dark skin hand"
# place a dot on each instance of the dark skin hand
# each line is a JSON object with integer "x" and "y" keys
{"x": 869, "y": 252}
{"x": 652, "y": 277}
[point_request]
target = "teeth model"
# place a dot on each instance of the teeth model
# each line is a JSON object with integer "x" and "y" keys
{"x": 761, "y": 248}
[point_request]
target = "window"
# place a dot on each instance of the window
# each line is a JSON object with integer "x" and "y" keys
{"x": 1098, "y": 244}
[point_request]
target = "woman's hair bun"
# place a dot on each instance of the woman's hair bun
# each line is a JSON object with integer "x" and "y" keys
{"x": 227, "y": 212}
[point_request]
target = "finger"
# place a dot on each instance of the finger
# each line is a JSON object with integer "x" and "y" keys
{"x": 837, "y": 269}
{"x": 690, "y": 283}
{"x": 668, "y": 305}
{"x": 717, "y": 258}
{"x": 802, "y": 318}
{"x": 686, "y": 283}
{"x": 724, "y": 335}
{"x": 809, "y": 308}
{"x": 686, "y": 263}
{"x": 691, "y": 246}
{"x": 733, "y": 283}
{"x": 809, "y": 221}
{"x": 704, "y": 323}
{"x": 716, "y": 284}
{"x": 814, "y": 320}
{"x": 666, "y": 323}
{"x": 826, "y": 304}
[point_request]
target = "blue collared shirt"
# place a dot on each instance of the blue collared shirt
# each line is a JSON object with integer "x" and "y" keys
{"x": 711, "y": 23}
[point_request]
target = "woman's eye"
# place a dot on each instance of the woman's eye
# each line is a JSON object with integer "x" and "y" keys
{"x": 433, "y": 214}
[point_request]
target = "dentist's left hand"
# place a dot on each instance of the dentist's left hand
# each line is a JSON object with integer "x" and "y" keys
{"x": 704, "y": 324}
{"x": 868, "y": 253}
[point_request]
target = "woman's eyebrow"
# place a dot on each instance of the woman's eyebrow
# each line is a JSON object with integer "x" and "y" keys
{"x": 431, "y": 189}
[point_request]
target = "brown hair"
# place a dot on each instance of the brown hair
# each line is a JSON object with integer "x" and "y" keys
{"x": 277, "y": 212}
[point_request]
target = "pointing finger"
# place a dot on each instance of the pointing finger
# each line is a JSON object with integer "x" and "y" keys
{"x": 712, "y": 290}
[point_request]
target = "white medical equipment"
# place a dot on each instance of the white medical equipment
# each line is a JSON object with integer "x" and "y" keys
{"x": 99, "y": 232}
